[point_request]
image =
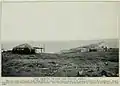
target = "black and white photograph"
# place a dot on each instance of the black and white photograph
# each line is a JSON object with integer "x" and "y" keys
{"x": 59, "y": 39}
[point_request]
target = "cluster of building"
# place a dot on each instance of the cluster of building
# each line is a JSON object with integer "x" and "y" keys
{"x": 98, "y": 47}
{"x": 26, "y": 49}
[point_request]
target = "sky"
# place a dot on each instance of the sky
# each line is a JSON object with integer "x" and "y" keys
{"x": 58, "y": 25}
{"x": 47, "y": 21}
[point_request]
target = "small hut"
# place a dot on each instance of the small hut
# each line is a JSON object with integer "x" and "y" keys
{"x": 39, "y": 49}
{"x": 23, "y": 49}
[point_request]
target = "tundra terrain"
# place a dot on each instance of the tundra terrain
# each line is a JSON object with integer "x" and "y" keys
{"x": 76, "y": 64}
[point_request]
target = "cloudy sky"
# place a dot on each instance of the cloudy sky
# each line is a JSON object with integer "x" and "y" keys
{"x": 59, "y": 21}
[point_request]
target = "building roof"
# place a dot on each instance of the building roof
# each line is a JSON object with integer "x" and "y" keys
{"x": 24, "y": 46}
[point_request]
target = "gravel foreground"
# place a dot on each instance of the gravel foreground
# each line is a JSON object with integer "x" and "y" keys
{"x": 83, "y": 64}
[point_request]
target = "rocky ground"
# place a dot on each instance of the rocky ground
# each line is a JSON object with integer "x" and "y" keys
{"x": 89, "y": 64}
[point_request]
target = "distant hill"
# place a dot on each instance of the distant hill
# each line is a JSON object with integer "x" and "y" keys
{"x": 110, "y": 43}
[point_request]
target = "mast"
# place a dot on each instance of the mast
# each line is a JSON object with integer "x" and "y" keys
{"x": 43, "y": 47}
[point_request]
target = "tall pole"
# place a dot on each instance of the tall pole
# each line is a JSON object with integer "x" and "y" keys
{"x": 44, "y": 47}
{"x": 41, "y": 50}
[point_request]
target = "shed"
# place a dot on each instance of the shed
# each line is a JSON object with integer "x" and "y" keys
{"x": 38, "y": 49}
{"x": 23, "y": 49}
